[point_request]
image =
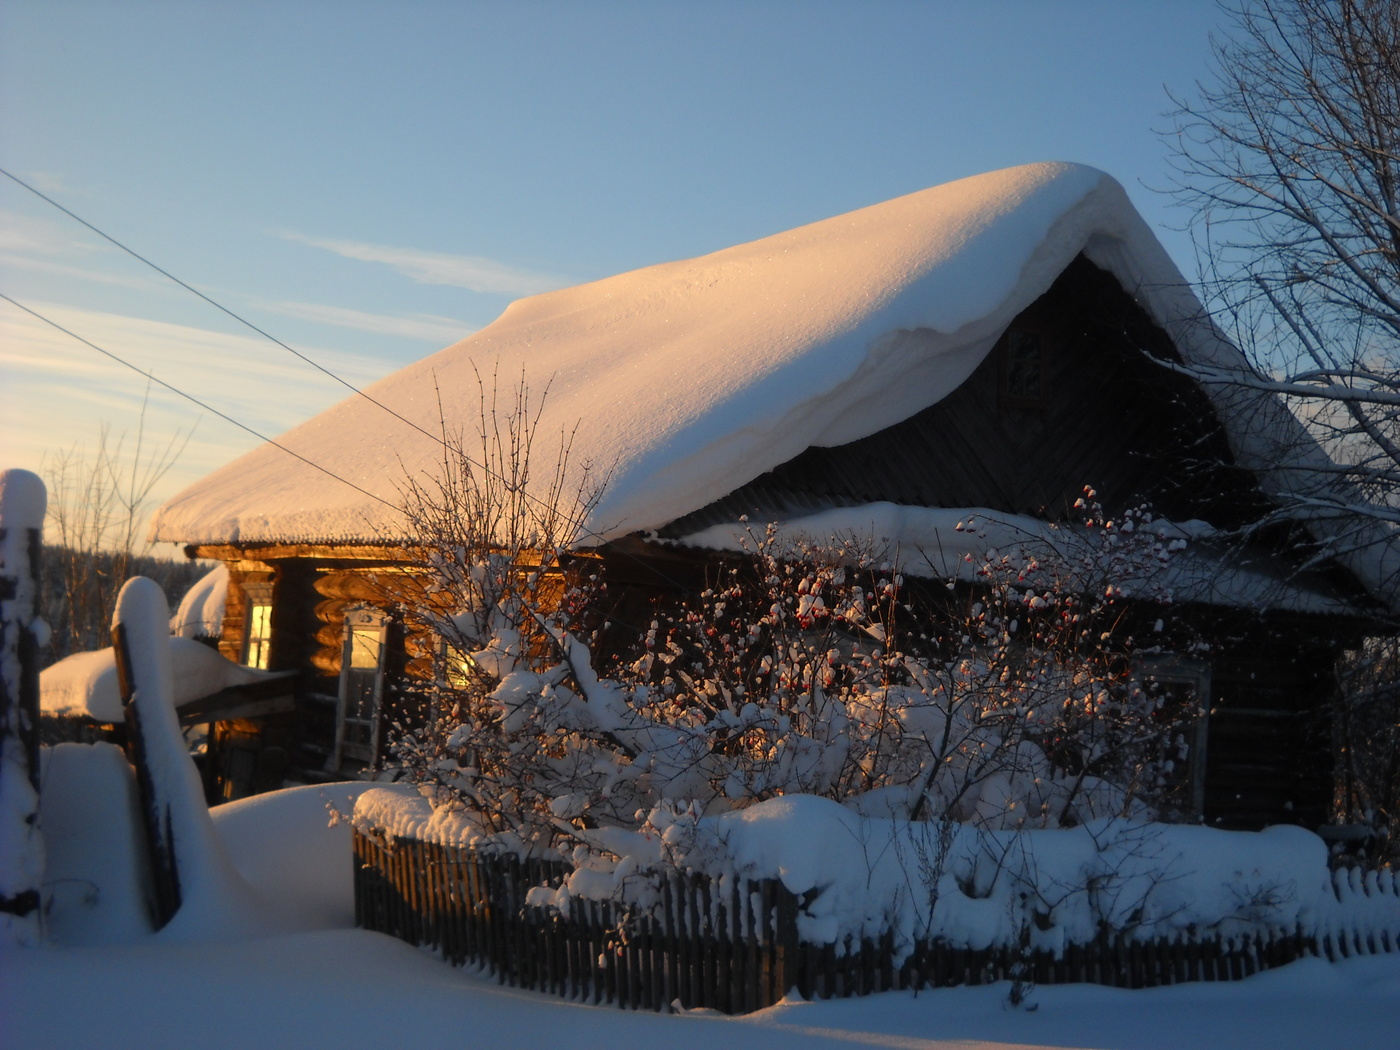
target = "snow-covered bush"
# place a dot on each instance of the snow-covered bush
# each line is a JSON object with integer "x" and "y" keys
{"x": 813, "y": 668}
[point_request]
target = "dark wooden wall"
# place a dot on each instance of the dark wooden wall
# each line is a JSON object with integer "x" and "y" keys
{"x": 1110, "y": 417}
{"x": 1269, "y": 746}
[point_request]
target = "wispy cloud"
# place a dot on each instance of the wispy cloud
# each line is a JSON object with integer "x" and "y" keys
{"x": 459, "y": 271}
{"x": 51, "y": 182}
{"x": 429, "y": 328}
{"x": 35, "y": 245}
{"x": 57, "y": 392}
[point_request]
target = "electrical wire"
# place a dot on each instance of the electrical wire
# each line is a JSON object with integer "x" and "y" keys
{"x": 584, "y": 530}
{"x": 194, "y": 400}
{"x": 219, "y": 306}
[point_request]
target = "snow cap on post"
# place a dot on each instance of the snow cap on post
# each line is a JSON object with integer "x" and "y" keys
{"x": 193, "y": 873}
{"x": 143, "y": 615}
{"x": 23, "y": 501}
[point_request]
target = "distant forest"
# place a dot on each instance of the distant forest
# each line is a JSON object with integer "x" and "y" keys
{"x": 78, "y": 590}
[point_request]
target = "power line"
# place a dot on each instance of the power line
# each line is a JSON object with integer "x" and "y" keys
{"x": 194, "y": 400}
{"x": 217, "y": 305}
{"x": 485, "y": 467}
{"x": 278, "y": 445}
{"x": 266, "y": 335}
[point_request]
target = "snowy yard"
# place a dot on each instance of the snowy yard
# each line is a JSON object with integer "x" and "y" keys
{"x": 787, "y": 762}
{"x": 315, "y": 981}
{"x": 346, "y": 988}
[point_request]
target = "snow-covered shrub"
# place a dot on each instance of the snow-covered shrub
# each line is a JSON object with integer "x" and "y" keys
{"x": 814, "y": 668}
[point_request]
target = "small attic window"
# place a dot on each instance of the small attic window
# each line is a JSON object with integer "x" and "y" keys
{"x": 1022, "y": 368}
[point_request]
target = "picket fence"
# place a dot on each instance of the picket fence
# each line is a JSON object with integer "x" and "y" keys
{"x": 733, "y": 945}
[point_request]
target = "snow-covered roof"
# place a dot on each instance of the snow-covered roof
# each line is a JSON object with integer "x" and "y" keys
{"x": 201, "y": 611}
{"x": 84, "y": 685}
{"x": 688, "y": 379}
{"x": 954, "y": 543}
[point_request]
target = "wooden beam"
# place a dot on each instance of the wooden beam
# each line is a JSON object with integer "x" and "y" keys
{"x": 272, "y": 695}
{"x": 266, "y": 552}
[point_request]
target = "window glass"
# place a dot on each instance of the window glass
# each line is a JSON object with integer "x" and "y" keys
{"x": 365, "y": 643}
{"x": 259, "y": 635}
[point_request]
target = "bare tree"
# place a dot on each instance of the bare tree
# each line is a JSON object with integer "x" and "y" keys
{"x": 1290, "y": 157}
{"x": 98, "y": 502}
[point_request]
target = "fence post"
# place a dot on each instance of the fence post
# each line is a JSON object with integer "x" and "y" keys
{"x": 785, "y": 940}
{"x": 22, "y": 505}
{"x": 165, "y": 873}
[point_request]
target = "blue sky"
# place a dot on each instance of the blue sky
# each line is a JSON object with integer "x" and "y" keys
{"x": 370, "y": 182}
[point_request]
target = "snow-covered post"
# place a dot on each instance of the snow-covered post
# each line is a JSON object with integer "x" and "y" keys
{"x": 191, "y": 870}
{"x": 22, "y": 505}
{"x": 141, "y": 644}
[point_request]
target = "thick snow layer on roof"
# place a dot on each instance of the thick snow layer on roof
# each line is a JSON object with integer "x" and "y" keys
{"x": 953, "y": 544}
{"x": 201, "y": 611}
{"x": 688, "y": 379}
{"x": 85, "y": 684}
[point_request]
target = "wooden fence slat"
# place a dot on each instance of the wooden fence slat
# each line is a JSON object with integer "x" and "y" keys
{"x": 732, "y": 944}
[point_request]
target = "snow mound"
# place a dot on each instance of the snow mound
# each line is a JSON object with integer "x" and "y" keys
{"x": 201, "y": 611}
{"x": 95, "y": 877}
{"x": 288, "y": 848}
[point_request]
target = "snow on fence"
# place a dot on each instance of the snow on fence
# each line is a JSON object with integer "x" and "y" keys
{"x": 727, "y": 950}
{"x": 733, "y": 945}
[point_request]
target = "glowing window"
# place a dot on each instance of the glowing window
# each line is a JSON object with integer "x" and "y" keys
{"x": 258, "y": 644}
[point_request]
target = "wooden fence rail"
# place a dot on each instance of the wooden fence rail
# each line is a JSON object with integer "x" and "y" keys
{"x": 732, "y": 945}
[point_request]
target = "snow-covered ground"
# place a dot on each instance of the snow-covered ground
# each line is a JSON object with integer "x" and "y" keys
{"x": 316, "y": 981}
{"x": 348, "y": 988}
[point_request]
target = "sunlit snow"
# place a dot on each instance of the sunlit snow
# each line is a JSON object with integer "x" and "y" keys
{"x": 681, "y": 382}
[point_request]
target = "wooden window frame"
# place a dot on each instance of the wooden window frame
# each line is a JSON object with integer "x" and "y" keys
{"x": 364, "y": 621}
{"x": 256, "y": 647}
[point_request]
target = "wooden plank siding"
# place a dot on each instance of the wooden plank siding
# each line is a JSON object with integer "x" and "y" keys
{"x": 1110, "y": 417}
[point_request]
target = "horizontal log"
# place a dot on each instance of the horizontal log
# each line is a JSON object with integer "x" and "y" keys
{"x": 332, "y": 610}
{"x": 280, "y": 551}
{"x": 272, "y": 695}
{"x": 351, "y": 585}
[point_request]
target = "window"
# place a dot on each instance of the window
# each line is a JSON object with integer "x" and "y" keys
{"x": 257, "y": 626}
{"x": 361, "y": 686}
{"x": 1022, "y": 369}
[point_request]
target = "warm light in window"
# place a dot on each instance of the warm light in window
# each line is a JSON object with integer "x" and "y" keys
{"x": 259, "y": 636}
